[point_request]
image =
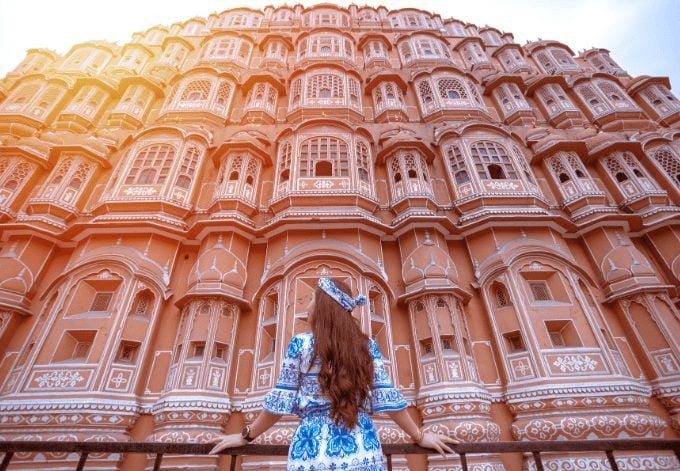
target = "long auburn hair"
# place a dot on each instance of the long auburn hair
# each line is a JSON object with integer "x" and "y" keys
{"x": 346, "y": 374}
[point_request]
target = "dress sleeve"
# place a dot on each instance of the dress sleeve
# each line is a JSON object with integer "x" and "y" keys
{"x": 384, "y": 396}
{"x": 283, "y": 398}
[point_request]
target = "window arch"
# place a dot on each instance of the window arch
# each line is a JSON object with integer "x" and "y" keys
{"x": 556, "y": 60}
{"x": 388, "y": 96}
{"x": 492, "y": 161}
{"x": 325, "y": 45}
{"x": 151, "y": 165}
{"x": 324, "y": 156}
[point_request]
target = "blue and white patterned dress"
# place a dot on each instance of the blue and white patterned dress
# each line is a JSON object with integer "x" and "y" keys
{"x": 318, "y": 444}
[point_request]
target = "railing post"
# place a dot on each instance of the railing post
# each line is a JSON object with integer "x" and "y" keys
{"x": 537, "y": 459}
{"x": 463, "y": 461}
{"x": 612, "y": 461}
{"x": 6, "y": 460}
{"x": 81, "y": 461}
{"x": 389, "y": 462}
{"x": 157, "y": 462}
{"x": 232, "y": 463}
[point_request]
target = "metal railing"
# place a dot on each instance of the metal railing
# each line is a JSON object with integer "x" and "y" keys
{"x": 9, "y": 448}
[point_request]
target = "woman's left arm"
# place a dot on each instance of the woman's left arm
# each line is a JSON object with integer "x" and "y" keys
{"x": 278, "y": 402}
{"x": 260, "y": 425}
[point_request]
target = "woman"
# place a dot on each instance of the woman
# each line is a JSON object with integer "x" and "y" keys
{"x": 333, "y": 377}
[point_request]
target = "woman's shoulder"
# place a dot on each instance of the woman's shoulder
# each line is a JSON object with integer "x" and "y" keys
{"x": 299, "y": 343}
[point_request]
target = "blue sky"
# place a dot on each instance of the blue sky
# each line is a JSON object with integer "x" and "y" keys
{"x": 641, "y": 34}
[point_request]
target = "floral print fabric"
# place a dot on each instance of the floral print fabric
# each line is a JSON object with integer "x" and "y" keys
{"x": 318, "y": 444}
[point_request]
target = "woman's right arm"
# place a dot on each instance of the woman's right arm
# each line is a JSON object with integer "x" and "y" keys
{"x": 425, "y": 439}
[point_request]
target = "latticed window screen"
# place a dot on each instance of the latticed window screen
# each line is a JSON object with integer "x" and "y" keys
{"x": 325, "y": 86}
{"x": 223, "y": 94}
{"x": 617, "y": 97}
{"x": 285, "y": 157}
{"x": 354, "y": 92}
{"x": 22, "y": 96}
{"x": 547, "y": 62}
{"x": 457, "y": 165}
{"x": 425, "y": 92}
{"x": 661, "y": 99}
{"x": 595, "y": 101}
{"x": 101, "y": 301}
{"x": 151, "y": 166}
{"x": 188, "y": 168}
{"x": 554, "y": 98}
{"x": 501, "y": 296}
{"x": 540, "y": 291}
{"x": 318, "y": 152}
{"x": 142, "y": 304}
{"x": 562, "y": 57}
{"x": 14, "y": 173}
{"x": 363, "y": 162}
{"x": 295, "y": 92}
{"x": 669, "y": 161}
{"x": 61, "y": 171}
{"x": 196, "y": 90}
{"x": 623, "y": 167}
{"x": 451, "y": 89}
{"x": 566, "y": 166}
{"x": 406, "y": 52}
{"x": 80, "y": 174}
{"x": 492, "y": 161}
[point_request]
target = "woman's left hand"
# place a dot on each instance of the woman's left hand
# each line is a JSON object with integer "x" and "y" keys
{"x": 227, "y": 441}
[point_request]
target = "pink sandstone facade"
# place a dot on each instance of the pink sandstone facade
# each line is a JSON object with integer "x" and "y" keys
{"x": 166, "y": 206}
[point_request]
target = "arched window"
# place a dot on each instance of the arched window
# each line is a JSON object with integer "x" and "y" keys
{"x": 363, "y": 162}
{"x": 409, "y": 174}
{"x": 451, "y": 89}
{"x": 285, "y": 158}
{"x": 661, "y": 99}
{"x": 151, "y": 165}
{"x": 492, "y": 161}
{"x": 555, "y": 99}
{"x": 617, "y": 97}
{"x": 14, "y": 172}
{"x": 143, "y": 304}
{"x": 669, "y": 161}
{"x": 595, "y": 101}
{"x": 626, "y": 171}
{"x": 188, "y": 168}
{"x": 457, "y": 165}
{"x": 325, "y": 87}
{"x": 324, "y": 157}
{"x": 195, "y": 94}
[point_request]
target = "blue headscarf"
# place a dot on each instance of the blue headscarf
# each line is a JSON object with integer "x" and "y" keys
{"x": 346, "y": 301}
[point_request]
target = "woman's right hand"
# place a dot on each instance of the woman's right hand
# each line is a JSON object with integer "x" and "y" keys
{"x": 227, "y": 441}
{"x": 437, "y": 442}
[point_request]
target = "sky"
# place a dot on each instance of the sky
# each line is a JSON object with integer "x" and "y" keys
{"x": 641, "y": 34}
